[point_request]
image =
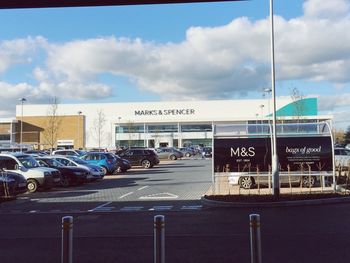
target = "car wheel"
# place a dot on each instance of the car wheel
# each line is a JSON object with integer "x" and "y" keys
{"x": 308, "y": 181}
{"x": 118, "y": 170}
{"x": 188, "y": 155}
{"x": 104, "y": 170}
{"x": 172, "y": 157}
{"x": 66, "y": 181}
{"x": 246, "y": 182}
{"x": 146, "y": 163}
{"x": 32, "y": 185}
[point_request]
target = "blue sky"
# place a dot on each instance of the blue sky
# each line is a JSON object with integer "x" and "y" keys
{"x": 176, "y": 52}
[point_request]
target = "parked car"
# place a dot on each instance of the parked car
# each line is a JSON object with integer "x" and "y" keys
{"x": 69, "y": 152}
{"x": 69, "y": 175}
{"x": 144, "y": 157}
{"x": 10, "y": 189}
{"x": 187, "y": 151}
{"x": 27, "y": 166}
{"x": 122, "y": 164}
{"x": 247, "y": 180}
{"x": 208, "y": 151}
{"x": 342, "y": 157}
{"x": 36, "y": 152}
{"x": 169, "y": 153}
{"x": 106, "y": 161}
{"x": 96, "y": 172}
{"x": 7, "y": 187}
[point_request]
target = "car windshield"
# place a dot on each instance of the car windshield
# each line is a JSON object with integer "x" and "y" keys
{"x": 80, "y": 152}
{"x": 28, "y": 161}
{"x": 110, "y": 156}
{"x": 77, "y": 160}
{"x": 53, "y": 162}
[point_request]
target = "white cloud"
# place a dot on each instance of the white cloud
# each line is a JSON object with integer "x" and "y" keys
{"x": 331, "y": 102}
{"x": 326, "y": 9}
{"x": 212, "y": 62}
{"x": 229, "y": 60}
{"x": 18, "y": 51}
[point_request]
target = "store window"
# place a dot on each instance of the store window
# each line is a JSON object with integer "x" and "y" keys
{"x": 196, "y": 128}
{"x": 131, "y": 143}
{"x": 162, "y": 128}
{"x": 130, "y": 128}
{"x": 175, "y": 143}
{"x": 5, "y": 137}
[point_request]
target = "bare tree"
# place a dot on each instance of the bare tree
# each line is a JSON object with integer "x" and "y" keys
{"x": 299, "y": 104}
{"x": 339, "y": 135}
{"x": 98, "y": 127}
{"x": 53, "y": 123}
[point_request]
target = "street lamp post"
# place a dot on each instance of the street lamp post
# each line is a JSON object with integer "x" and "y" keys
{"x": 275, "y": 172}
{"x": 267, "y": 92}
{"x": 22, "y": 100}
{"x": 262, "y": 117}
{"x": 119, "y": 118}
{"x": 78, "y": 124}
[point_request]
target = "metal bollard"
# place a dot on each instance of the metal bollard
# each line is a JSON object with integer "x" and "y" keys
{"x": 255, "y": 238}
{"x": 159, "y": 239}
{"x": 67, "y": 239}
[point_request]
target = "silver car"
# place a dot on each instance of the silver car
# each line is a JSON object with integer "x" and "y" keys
{"x": 342, "y": 157}
{"x": 96, "y": 172}
{"x": 169, "y": 153}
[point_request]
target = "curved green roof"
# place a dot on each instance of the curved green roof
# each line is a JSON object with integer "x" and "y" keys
{"x": 303, "y": 107}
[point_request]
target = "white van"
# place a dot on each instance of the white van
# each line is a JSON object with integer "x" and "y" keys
{"x": 26, "y": 165}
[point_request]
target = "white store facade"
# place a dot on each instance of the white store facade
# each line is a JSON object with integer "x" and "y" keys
{"x": 155, "y": 124}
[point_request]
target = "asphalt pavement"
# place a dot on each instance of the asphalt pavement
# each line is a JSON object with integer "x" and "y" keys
{"x": 119, "y": 227}
{"x": 298, "y": 234}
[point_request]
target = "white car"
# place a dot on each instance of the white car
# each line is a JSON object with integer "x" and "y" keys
{"x": 342, "y": 157}
{"x": 35, "y": 175}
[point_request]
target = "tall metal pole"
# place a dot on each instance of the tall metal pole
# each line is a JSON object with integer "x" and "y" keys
{"x": 119, "y": 130}
{"x": 275, "y": 172}
{"x": 262, "y": 118}
{"x": 21, "y": 132}
{"x": 78, "y": 123}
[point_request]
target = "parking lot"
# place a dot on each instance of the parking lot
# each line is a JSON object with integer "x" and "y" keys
{"x": 171, "y": 185}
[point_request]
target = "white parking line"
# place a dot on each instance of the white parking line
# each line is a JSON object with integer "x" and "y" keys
{"x": 191, "y": 207}
{"x": 99, "y": 207}
{"x": 131, "y": 208}
{"x": 161, "y": 208}
{"x": 130, "y": 193}
{"x": 142, "y": 188}
{"x": 160, "y": 196}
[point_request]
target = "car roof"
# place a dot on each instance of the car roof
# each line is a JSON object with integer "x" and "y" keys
{"x": 341, "y": 148}
{"x": 16, "y": 154}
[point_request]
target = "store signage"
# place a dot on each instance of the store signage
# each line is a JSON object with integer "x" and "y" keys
{"x": 297, "y": 153}
{"x": 164, "y": 112}
{"x": 65, "y": 142}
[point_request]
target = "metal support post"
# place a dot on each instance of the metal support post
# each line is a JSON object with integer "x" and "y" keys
{"x": 275, "y": 170}
{"x": 255, "y": 238}
{"x": 159, "y": 239}
{"x": 67, "y": 239}
{"x": 275, "y": 177}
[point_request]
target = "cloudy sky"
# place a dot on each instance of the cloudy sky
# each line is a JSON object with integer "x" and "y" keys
{"x": 176, "y": 52}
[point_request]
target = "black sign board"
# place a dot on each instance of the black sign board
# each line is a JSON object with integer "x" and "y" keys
{"x": 250, "y": 154}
